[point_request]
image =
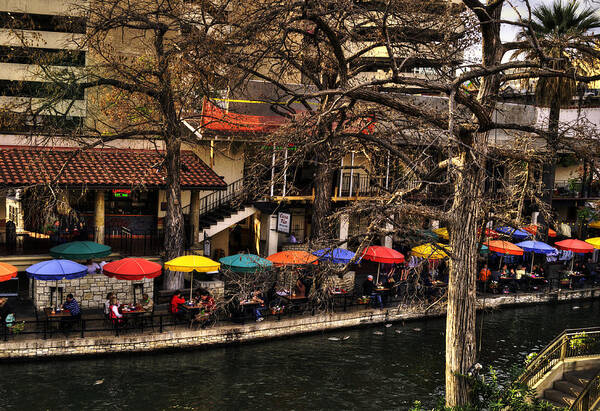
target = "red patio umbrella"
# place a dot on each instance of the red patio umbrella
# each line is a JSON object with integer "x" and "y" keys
{"x": 132, "y": 269}
{"x": 7, "y": 271}
{"x": 381, "y": 254}
{"x": 489, "y": 233}
{"x": 533, "y": 229}
{"x": 577, "y": 246}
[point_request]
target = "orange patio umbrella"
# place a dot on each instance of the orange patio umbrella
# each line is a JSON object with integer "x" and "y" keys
{"x": 293, "y": 257}
{"x": 7, "y": 271}
{"x": 503, "y": 247}
{"x": 533, "y": 229}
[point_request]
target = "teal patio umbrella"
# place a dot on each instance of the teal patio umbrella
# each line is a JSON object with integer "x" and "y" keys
{"x": 80, "y": 250}
{"x": 245, "y": 263}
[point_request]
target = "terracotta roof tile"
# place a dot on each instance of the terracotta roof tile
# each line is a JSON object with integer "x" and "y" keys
{"x": 100, "y": 167}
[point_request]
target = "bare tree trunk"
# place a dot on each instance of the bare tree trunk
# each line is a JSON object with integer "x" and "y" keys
{"x": 322, "y": 205}
{"x": 549, "y": 168}
{"x": 174, "y": 224}
{"x": 460, "y": 321}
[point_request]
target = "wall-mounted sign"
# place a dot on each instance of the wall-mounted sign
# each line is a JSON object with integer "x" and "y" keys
{"x": 206, "y": 246}
{"x": 284, "y": 222}
{"x": 121, "y": 193}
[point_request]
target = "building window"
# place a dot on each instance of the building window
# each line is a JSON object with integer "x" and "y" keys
{"x": 43, "y": 22}
{"x": 39, "y": 89}
{"x": 32, "y": 55}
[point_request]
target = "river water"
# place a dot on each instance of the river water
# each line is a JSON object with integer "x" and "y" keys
{"x": 366, "y": 371}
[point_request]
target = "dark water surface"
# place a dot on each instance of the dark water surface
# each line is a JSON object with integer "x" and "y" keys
{"x": 368, "y": 371}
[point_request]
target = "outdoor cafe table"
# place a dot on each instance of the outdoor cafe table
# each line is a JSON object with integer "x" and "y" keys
{"x": 295, "y": 301}
{"x": 61, "y": 315}
{"x": 336, "y": 295}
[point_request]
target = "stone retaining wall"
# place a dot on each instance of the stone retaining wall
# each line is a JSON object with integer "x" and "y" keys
{"x": 89, "y": 291}
{"x": 231, "y": 334}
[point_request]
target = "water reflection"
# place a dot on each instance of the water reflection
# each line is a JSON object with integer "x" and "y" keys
{"x": 368, "y": 371}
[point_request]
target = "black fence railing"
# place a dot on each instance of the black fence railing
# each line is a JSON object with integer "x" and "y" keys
{"x": 234, "y": 192}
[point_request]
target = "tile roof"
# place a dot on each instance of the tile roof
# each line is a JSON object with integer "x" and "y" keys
{"x": 99, "y": 167}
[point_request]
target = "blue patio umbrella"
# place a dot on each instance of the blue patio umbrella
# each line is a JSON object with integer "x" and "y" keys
{"x": 245, "y": 263}
{"x": 55, "y": 270}
{"x": 335, "y": 255}
{"x": 515, "y": 232}
{"x": 536, "y": 247}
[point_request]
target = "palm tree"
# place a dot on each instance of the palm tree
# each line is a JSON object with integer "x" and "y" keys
{"x": 558, "y": 28}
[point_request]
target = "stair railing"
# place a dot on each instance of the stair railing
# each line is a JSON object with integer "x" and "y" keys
{"x": 570, "y": 343}
{"x": 589, "y": 396}
{"x": 216, "y": 199}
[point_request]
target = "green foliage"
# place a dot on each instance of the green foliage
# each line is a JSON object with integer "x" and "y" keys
{"x": 492, "y": 395}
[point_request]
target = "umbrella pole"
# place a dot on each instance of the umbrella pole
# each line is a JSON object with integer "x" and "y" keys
{"x": 378, "y": 269}
{"x": 191, "y": 285}
{"x": 532, "y": 257}
{"x": 56, "y": 296}
{"x": 500, "y": 265}
{"x": 572, "y": 262}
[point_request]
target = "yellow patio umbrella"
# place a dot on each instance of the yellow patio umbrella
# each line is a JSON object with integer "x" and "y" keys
{"x": 594, "y": 241}
{"x": 430, "y": 251}
{"x": 442, "y": 232}
{"x": 594, "y": 224}
{"x": 191, "y": 263}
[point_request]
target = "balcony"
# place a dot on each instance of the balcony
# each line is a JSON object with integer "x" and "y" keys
{"x": 573, "y": 189}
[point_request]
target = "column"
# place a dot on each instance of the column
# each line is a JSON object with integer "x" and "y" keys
{"x": 272, "y": 235}
{"x": 195, "y": 216}
{"x": 388, "y": 239}
{"x": 3, "y": 217}
{"x": 99, "y": 217}
{"x": 344, "y": 226}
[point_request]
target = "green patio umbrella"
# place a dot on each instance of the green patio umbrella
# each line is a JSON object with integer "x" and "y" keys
{"x": 80, "y": 250}
{"x": 245, "y": 263}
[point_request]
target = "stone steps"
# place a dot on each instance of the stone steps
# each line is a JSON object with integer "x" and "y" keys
{"x": 565, "y": 392}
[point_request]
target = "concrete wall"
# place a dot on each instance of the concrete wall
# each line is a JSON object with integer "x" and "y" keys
{"x": 89, "y": 291}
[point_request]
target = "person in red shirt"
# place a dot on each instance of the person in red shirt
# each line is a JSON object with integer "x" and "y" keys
{"x": 485, "y": 273}
{"x": 176, "y": 300}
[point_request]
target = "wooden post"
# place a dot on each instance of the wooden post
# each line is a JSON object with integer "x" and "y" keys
{"x": 195, "y": 216}
{"x": 99, "y": 217}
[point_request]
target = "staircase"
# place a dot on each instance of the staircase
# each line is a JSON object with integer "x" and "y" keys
{"x": 222, "y": 209}
{"x": 565, "y": 392}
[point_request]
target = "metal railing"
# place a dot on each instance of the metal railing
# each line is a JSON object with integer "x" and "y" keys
{"x": 590, "y": 395}
{"x": 216, "y": 199}
{"x": 570, "y": 343}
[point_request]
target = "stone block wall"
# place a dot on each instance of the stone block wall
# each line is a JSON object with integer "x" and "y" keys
{"x": 346, "y": 282}
{"x": 215, "y": 287}
{"x": 89, "y": 291}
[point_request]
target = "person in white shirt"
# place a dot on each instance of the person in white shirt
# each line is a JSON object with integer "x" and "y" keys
{"x": 92, "y": 267}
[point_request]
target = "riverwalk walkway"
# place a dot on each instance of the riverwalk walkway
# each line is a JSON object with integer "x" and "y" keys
{"x": 165, "y": 335}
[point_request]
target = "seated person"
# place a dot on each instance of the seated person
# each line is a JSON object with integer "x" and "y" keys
{"x": 369, "y": 291}
{"x": 208, "y": 302}
{"x": 176, "y": 301}
{"x": 293, "y": 239}
{"x": 519, "y": 272}
{"x": 258, "y": 298}
{"x": 107, "y": 303}
{"x": 300, "y": 288}
{"x": 92, "y": 267}
{"x": 5, "y": 309}
{"x": 114, "y": 314}
{"x": 146, "y": 303}
{"x": 485, "y": 274}
{"x": 72, "y": 305}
